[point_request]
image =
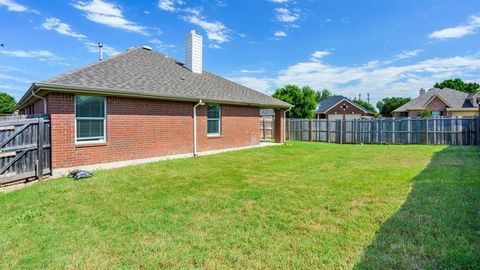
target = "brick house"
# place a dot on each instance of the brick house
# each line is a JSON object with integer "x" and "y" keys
{"x": 340, "y": 107}
{"x": 442, "y": 102}
{"x": 141, "y": 104}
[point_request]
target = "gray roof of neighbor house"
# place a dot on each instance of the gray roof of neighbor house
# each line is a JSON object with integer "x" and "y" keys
{"x": 455, "y": 99}
{"x": 146, "y": 73}
{"x": 267, "y": 112}
{"x": 325, "y": 105}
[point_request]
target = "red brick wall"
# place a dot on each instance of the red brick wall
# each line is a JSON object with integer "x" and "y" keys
{"x": 34, "y": 108}
{"x": 437, "y": 105}
{"x": 240, "y": 126}
{"x": 141, "y": 128}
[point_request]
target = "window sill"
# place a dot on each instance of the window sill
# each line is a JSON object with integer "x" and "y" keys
{"x": 90, "y": 144}
{"x": 214, "y": 136}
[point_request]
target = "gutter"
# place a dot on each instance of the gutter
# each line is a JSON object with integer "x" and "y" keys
{"x": 200, "y": 103}
{"x": 34, "y": 94}
{"x": 119, "y": 92}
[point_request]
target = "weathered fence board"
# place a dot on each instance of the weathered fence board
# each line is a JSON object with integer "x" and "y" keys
{"x": 266, "y": 129}
{"x": 449, "y": 131}
{"x": 24, "y": 148}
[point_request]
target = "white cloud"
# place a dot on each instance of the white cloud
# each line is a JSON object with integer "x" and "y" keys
{"x": 8, "y": 77}
{"x": 279, "y": 1}
{"x": 280, "y": 34}
{"x": 216, "y": 31}
{"x": 160, "y": 45}
{"x": 408, "y": 54}
{"x": 61, "y": 28}
{"x": 458, "y": 31}
{"x": 11, "y": 5}
{"x": 319, "y": 54}
{"x": 252, "y": 71}
{"x": 378, "y": 80}
{"x": 169, "y": 5}
{"x": 28, "y": 54}
{"x": 286, "y": 15}
{"x": 93, "y": 48}
{"x": 260, "y": 84}
{"x": 110, "y": 14}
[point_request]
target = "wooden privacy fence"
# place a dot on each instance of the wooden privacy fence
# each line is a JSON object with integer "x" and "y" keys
{"x": 266, "y": 129}
{"x": 450, "y": 131}
{"x": 24, "y": 148}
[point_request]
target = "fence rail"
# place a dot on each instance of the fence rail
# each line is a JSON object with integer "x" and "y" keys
{"x": 450, "y": 131}
{"x": 24, "y": 148}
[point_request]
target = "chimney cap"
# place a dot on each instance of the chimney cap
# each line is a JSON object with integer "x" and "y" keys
{"x": 147, "y": 47}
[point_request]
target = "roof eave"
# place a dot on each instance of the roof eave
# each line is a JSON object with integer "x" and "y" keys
{"x": 117, "y": 92}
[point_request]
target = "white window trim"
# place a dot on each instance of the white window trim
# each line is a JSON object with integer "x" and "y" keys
{"x": 219, "y": 121}
{"x": 92, "y": 140}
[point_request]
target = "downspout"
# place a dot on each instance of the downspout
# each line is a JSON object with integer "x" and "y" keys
{"x": 200, "y": 103}
{"x": 285, "y": 123}
{"x": 43, "y": 99}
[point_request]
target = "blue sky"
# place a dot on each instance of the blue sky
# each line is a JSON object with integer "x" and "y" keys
{"x": 384, "y": 48}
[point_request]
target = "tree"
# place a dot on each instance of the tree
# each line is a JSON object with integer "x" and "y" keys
{"x": 304, "y": 100}
{"x": 7, "y": 103}
{"x": 460, "y": 85}
{"x": 387, "y": 105}
{"x": 322, "y": 95}
{"x": 426, "y": 113}
{"x": 366, "y": 105}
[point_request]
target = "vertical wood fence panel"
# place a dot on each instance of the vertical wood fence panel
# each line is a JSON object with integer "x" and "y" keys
{"x": 448, "y": 131}
{"x": 24, "y": 148}
{"x": 267, "y": 127}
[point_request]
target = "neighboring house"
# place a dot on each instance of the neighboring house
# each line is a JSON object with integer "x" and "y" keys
{"x": 267, "y": 114}
{"x": 442, "y": 102}
{"x": 141, "y": 104}
{"x": 340, "y": 107}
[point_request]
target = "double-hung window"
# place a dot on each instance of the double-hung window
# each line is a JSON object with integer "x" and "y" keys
{"x": 214, "y": 114}
{"x": 90, "y": 118}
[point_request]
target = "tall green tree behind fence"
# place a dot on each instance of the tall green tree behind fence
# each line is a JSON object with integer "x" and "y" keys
{"x": 448, "y": 131}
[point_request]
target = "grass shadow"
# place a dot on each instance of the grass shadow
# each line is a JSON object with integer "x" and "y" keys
{"x": 438, "y": 226}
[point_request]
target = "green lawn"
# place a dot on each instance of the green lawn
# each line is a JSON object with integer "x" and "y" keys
{"x": 300, "y": 205}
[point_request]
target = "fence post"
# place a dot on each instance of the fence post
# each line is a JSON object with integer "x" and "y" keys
{"x": 328, "y": 131}
{"x": 478, "y": 130}
{"x": 409, "y": 130}
{"x": 341, "y": 131}
{"x": 40, "y": 142}
{"x": 354, "y": 131}
{"x": 393, "y": 130}
{"x": 426, "y": 130}
{"x": 287, "y": 136}
{"x": 311, "y": 130}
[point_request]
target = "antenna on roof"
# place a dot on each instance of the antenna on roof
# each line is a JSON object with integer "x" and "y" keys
{"x": 100, "y": 48}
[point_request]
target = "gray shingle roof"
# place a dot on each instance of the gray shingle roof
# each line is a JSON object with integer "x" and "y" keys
{"x": 456, "y": 99}
{"x": 144, "y": 71}
{"x": 325, "y": 105}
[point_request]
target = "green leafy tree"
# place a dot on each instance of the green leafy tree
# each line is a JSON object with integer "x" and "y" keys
{"x": 304, "y": 100}
{"x": 322, "y": 95}
{"x": 460, "y": 85}
{"x": 366, "y": 105}
{"x": 7, "y": 103}
{"x": 387, "y": 105}
{"x": 426, "y": 113}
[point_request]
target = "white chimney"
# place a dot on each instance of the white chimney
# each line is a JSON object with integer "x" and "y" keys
{"x": 193, "y": 52}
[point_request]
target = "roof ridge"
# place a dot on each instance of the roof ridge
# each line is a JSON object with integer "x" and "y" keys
{"x": 91, "y": 64}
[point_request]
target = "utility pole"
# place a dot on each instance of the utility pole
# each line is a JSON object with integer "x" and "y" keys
{"x": 368, "y": 97}
{"x": 360, "y": 96}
